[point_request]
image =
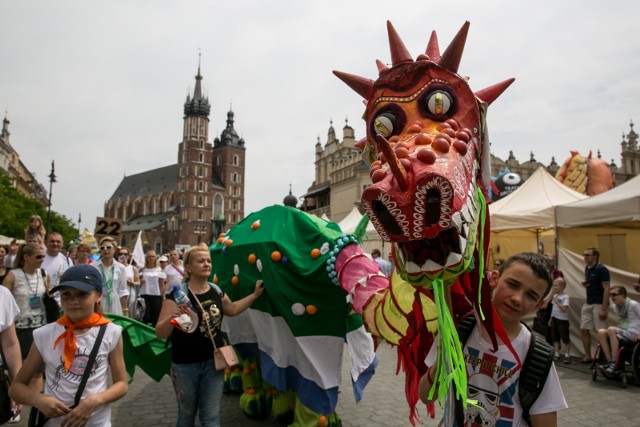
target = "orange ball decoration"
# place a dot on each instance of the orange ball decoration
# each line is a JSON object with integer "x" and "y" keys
{"x": 252, "y": 258}
{"x": 251, "y": 391}
{"x": 220, "y": 240}
{"x": 312, "y": 309}
{"x": 246, "y": 372}
{"x": 227, "y": 372}
{"x": 215, "y": 280}
{"x": 228, "y": 242}
{"x": 255, "y": 225}
{"x": 276, "y": 256}
{"x": 222, "y": 234}
{"x": 315, "y": 253}
{"x": 322, "y": 421}
{"x": 235, "y": 280}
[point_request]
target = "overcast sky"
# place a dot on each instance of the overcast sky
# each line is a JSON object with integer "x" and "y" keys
{"x": 99, "y": 87}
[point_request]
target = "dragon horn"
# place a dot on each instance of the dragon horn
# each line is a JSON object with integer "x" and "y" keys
{"x": 382, "y": 67}
{"x": 489, "y": 94}
{"x": 451, "y": 57}
{"x": 359, "y": 84}
{"x": 433, "y": 49}
{"x": 399, "y": 53}
{"x": 396, "y": 167}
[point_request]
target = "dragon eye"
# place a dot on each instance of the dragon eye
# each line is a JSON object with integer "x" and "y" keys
{"x": 384, "y": 124}
{"x": 439, "y": 104}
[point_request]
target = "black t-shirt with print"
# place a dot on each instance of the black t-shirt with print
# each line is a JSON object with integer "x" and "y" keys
{"x": 197, "y": 347}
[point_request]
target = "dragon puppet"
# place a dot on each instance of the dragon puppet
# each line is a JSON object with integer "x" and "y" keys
{"x": 428, "y": 147}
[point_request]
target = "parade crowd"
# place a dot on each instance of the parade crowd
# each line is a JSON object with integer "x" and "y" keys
{"x": 69, "y": 369}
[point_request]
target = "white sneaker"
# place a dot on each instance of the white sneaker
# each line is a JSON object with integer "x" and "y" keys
{"x": 14, "y": 420}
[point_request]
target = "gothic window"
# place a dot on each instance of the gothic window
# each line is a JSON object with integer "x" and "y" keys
{"x": 218, "y": 161}
{"x": 182, "y": 200}
{"x": 234, "y": 177}
{"x": 200, "y": 199}
{"x": 235, "y": 191}
{"x": 181, "y": 186}
{"x": 236, "y": 160}
{"x": 200, "y": 186}
{"x": 184, "y": 156}
{"x": 200, "y": 215}
{"x": 200, "y": 171}
{"x": 218, "y": 203}
{"x": 235, "y": 205}
{"x": 202, "y": 144}
{"x": 201, "y": 157}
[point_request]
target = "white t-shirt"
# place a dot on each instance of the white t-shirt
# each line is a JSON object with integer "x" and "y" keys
{"x": 114, "y": 288}
{"x": 8, "y": 308}
{"x": 631, "y": 314}
{"x": 175, "y": 276}
{"x": 151, "y": 278}
{"x": 563, "y": 300}
{"x": 493, "y": 382}
{"x": 64, "y": 384}
{"x": 28, "y": 290}
{"x": 55, "y": 266}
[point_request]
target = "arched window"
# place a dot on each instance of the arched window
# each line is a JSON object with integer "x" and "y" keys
{"x": 200, "y": 199}
{"x": 200, "y": 215}
{"x": 234, "y": 177}
{"x": 200, "y": 186}
{"x": 201, "y": 157}
{"x": 218, "y": 203}
{"x": 182, "y": 200}
{"x": 202, "y": 144}
{"x": 218, "y": 161}
{"x": 200, "y": 171}
{"x": 184, "y": 156}
{"x": 236, "y": 160}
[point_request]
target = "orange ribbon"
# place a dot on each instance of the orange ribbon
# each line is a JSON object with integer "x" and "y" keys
{"x": 69, "y": 336}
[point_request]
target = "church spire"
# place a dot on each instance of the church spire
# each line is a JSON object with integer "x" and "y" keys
{"x": 198, "y": 105}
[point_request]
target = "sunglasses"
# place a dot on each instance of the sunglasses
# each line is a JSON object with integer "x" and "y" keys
{"x": 39, "y": 257}
{"x": 106, "y": 248}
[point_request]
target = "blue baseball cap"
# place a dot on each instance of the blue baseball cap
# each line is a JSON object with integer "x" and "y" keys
{"x": 82, "y": 277}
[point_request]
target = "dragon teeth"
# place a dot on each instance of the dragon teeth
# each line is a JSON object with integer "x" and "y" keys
{"x": 453, "y": 259}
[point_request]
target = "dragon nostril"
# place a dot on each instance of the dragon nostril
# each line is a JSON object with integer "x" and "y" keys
{"x": 432, "y": 206}
{"x": 385, "y": 218}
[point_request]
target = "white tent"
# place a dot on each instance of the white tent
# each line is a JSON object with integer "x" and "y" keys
{"x": 350, "y": 222}
{"x": 532, "y": 205}
{"x": 525, "y": 219}
{"x": 609, "y": 221}
{"x": 619, "y": 206}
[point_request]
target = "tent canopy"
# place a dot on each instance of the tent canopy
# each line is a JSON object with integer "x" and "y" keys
{"x": 619, "y": 206}
{"x": 532, "y": 205}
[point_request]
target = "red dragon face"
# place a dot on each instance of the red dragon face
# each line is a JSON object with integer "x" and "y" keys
{"x": 425, "y": 138}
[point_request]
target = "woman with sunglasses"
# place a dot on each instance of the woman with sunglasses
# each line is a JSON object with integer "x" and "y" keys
{"x": 28, "y": 283}
{"x": 115, "y": 295}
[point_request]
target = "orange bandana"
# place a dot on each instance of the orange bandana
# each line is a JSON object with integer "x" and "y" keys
{"x": 69, "y": 336}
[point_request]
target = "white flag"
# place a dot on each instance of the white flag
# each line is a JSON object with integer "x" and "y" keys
{"x": 138, "y": 252}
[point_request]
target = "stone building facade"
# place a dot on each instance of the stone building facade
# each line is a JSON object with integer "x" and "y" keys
{"x": 21, "y": 177}
{"x": 193, "y": 200}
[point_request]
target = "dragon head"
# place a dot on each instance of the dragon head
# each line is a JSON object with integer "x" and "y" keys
{"x": 427, "y": 145}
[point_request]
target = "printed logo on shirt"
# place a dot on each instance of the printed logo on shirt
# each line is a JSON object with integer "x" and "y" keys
{"x": 491, "y": 382}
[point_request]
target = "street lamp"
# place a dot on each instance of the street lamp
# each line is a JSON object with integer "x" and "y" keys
{"x": 52, "y": 179}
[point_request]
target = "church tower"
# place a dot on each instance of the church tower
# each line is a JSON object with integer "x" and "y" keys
{"x": 229, "y": 167}
{"x": 194, "y": 174}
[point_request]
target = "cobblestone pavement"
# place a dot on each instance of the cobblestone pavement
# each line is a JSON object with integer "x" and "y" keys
{"x": 598, "y": 403}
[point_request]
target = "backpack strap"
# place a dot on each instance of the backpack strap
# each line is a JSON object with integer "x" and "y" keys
{"x": 535, "y": 370}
